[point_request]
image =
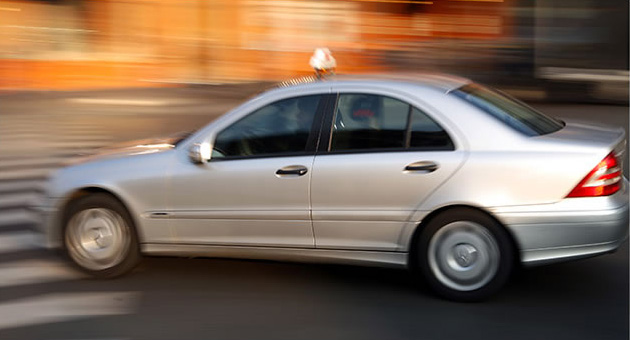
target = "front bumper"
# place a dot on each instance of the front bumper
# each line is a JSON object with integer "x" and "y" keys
{"x": 48, "y": 235}
{"x": 569, "y": 229}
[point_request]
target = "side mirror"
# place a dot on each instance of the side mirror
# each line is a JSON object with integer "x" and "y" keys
{"x": 200, "y": 153}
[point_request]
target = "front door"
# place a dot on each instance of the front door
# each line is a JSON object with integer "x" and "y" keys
{"x": 255, "y": 189}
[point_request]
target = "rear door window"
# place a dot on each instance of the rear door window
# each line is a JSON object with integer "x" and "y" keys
{"x": 374, "y": 122}
{"x": 425, "y": 133}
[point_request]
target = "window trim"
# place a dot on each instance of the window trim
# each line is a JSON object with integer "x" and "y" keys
{"x": 331, "y": 115}
{"x": 389, "y": 150}
{"x": 263, "y": 156}
{"x": 313, "y": 139}
{"x": 329, "y": 122}
{"x": 410, "y": 124}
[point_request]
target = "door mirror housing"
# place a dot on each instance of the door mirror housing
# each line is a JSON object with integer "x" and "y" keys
{"x": 200, "y": 153}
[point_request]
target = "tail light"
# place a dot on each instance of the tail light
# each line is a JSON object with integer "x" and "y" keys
{"x": 603, "y": 180}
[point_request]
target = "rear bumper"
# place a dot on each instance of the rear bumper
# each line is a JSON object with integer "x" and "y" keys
{"x": 570, "y": 229}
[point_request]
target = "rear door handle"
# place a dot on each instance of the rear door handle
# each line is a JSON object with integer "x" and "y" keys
{"x": 422, "y": 166}
{"x": 295, "y": 170}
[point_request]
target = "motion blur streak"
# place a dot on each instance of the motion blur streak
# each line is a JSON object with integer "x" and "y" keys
{"x": 92, "y": 52}
{"x": 568, "y": 48}
{"x": 64, "y": 307}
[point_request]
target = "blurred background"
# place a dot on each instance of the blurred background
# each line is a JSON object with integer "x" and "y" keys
{"x": 77, "y": 75}
{"x": 578, "y": 46}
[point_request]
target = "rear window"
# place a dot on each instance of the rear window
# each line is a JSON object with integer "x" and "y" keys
{"x": 512, "y": 112}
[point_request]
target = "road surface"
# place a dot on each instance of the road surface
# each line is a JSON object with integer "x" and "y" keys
{"x": 41, "y": 297}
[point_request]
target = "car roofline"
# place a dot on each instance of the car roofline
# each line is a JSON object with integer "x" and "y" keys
{"x": 442, "y": 82}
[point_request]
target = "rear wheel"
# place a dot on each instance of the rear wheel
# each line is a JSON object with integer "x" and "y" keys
{"x": 465, "y": 255}
{"x": 99, "y": 236}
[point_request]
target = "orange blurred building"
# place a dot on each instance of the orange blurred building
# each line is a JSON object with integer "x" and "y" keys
{"x": 63, "y": 44}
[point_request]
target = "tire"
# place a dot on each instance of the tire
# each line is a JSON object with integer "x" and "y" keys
{"x": 465, "y": 255}
{"x": 100, "y": 237}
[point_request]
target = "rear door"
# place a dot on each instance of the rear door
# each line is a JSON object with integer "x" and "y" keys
{"x": 382, "y": 158}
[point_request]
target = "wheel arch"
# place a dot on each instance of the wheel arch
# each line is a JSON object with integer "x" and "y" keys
{"x": 82, "y": 192}
{"x": 413, "y": 240}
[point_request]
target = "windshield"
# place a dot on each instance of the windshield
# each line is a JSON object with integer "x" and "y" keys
{"x": 512, "y": 112}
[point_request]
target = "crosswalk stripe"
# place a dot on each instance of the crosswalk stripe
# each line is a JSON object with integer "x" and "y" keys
{"x": 18, "y": 241}
{"x": 23, "y": 146}
{"x": 52, "y": 130}
{"x": 30, "y": 162}
{"x": 22, "y": 186}
{"x": 35, "y": 271}
{"x": 84, "y": 138}
{"x": 18, "y": 200}
{"x": 74, "y": 144}
{"x": 126, "y": 102}
{"x": 18, "y": 216}
{"x": 66, "y": 306}
{"x": 29, "y": 154}
{"x": 36, "y": 173}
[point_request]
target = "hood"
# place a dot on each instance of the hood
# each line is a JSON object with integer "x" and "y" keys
{"x": 125, "y": 149}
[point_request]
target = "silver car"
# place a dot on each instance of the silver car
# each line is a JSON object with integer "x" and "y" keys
{"x": 432, "y": 173}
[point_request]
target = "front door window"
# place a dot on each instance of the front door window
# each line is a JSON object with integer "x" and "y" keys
{"x": 280, "y": 128}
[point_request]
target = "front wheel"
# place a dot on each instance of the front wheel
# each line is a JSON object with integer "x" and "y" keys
{"x": 99, "y": 236}
{"x": 465, "y": 255}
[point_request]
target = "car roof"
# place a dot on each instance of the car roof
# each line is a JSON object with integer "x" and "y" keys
{"x": 441, "y": 82}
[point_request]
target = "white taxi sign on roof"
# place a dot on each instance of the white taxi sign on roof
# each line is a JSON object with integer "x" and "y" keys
{"x": 323, "y": 62}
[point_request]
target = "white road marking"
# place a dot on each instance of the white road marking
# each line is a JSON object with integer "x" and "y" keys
{"x": 24, "y": 174}
{"x": 36, "y": 271}
{"x": 16, "y": 241}
{"x": 18, "y": 200}
{"x": 22, "y": 186}
{"x": 66, "y": 306}
{"x": 29, "y": 162}
{"x": 128, "y": 102}
{"x": 18, "y": 216}
{"x": 29, "y": 146}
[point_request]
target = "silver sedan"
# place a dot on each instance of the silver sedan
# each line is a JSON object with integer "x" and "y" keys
{"x": 432, "y": 173}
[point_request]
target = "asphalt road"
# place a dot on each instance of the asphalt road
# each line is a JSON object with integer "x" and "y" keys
{"x": 174, "y": 298}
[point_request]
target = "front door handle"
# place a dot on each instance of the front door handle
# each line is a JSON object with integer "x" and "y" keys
{"x": 295, "y": 170}
{"x": 422, "y": 166}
